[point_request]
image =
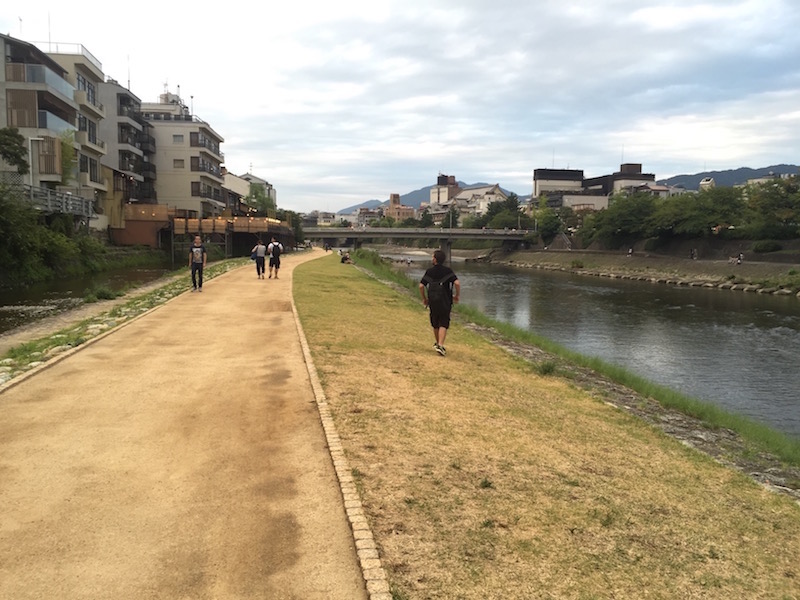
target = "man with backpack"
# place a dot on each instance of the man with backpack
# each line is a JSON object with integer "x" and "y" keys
{"x": 274, "y": 249}
{"x": 443, "y": 288}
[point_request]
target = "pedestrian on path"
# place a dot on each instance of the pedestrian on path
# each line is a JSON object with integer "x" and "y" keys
{"x": 439, "y": 288}
{"x": 275, "y": 249}
{"x": 260, "y": 250}
{"x": 197, "y": 262}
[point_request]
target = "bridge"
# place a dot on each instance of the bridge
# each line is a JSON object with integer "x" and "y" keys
{"x": 354, "y": 235}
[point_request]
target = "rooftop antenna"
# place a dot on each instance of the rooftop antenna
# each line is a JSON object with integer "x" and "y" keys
{"x": 191, "y": 104}
{"x": 554, "y": 159}
{"x": 20, "y": 26}
{"x": 129, "y": 71}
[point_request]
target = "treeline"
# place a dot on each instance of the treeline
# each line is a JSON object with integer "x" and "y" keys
{"x": 766, "y": 211}
{"x": 35, "y": 247}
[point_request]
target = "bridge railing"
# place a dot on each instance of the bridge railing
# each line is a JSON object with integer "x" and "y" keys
{"x": 50, "y": 201}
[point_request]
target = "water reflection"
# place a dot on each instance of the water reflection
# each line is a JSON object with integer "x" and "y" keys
{"x": 738, "y": 350}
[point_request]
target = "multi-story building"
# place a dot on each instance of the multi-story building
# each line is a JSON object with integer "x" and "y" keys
{"x": 398, "y": 211}
{"x": 188, "y": 159}
{"x": 445, "y": 189}
{"x": 85, "y": 73}
{"x": 37, "y": 99}
{"x": 131, "y": 148}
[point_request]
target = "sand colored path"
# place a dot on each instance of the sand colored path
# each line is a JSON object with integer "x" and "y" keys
{"x": 181, "y": 456}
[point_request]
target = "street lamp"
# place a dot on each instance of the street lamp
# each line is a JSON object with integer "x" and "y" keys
{"x": 30, "y": 156}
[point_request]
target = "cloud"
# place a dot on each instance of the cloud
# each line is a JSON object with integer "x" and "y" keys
{"x": 337, "y": 103}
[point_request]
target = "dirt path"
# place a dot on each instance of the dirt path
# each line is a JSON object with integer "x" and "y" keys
{"x": 182, "y": 456}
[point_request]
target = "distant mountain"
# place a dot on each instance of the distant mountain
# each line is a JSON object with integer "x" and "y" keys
{"x": 730, "y": 177}
{"x": 414, "y": 198}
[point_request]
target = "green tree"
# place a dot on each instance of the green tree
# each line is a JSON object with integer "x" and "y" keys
{"x": 13, "y": 150}
{"x": 626, "y": 219}
{"x": 549, "y": 224}
{"x": 425, "y": 219}
{"x": 451, "y": 218}
{"x": 265, "y": 205}
{"x": 773, "y": 209}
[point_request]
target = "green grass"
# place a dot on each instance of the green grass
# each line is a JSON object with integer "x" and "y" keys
{"x": 761, "y": 436}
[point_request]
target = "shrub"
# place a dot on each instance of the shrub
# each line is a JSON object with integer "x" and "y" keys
{"x": 577, "y": 264}
{"x": 766, "y": 246}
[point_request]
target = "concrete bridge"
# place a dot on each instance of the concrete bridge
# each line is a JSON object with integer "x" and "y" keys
{"x": 355, "y": 235}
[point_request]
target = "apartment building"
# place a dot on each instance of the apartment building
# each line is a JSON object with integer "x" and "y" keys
{"x": 128, "y": 164}
{"x": 188, "y": 159}
{"x": 85, "y": 73}
{"x": 397, "y": 211}
{"x": 37, "y": 98}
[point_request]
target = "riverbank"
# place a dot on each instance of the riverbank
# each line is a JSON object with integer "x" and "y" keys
{"x": 749, "y": 276}
{"x": 492, "y": 473}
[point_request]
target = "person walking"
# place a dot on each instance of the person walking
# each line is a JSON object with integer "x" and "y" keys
{"x": 439, "y": 288}
{"x": 275, "y": 249}
{"x": 197, "y": 262}
{"x": 260, "y": 250}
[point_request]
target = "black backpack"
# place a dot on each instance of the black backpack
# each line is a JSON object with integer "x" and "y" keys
{"x": 439, "y": 293}
{"x": 276, "y": 250}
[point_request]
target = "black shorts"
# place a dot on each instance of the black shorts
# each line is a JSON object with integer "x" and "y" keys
{"x": 440, "y": 318}
{"x": 275, "y": 262}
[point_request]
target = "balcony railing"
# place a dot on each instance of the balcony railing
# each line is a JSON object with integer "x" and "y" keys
{"x": 68, "y": 48}
{"x": 23, "y": 72}
{"x": 48, "y": 120}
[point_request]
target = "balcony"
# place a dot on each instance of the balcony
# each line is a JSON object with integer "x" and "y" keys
{"x": 96, "y": 109}
{"x": 147, "y": 143}
{"x": 48, "y": 120}
{"x": 148, "y": 170}
{"x": 22, "y": 72}
{"x": 89, "y": 181}
{"x": 92, "y": 143}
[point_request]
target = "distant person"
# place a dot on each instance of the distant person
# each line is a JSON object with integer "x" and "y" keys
{"x": 439, "y": 288}
{"x": 275, "y": 249}
{"x": 260, "y": 250}
{"x": 346, "y": 258}
{"x": 197, "y": 262}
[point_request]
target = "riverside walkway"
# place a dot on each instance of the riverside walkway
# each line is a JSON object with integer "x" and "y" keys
{"x": 181, "y": 455}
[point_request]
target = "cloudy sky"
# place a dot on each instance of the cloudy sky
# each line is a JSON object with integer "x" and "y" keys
{"x": 340, "y": 102}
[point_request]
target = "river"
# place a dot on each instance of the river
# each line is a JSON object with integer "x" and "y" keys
{"x": 737, "y": 350}
{"x": 25, "y": 305}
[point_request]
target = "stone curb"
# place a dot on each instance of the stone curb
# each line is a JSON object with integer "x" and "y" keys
{"x": 367, "y": 551}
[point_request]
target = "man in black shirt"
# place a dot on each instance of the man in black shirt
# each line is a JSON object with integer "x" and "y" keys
{"x": 443, "y": 288}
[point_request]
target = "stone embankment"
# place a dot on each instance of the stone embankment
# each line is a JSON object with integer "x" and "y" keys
{"x": 666, "y": 270}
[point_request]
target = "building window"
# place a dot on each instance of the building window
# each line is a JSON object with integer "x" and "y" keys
{"x": 177, "y": 163}
{"x": 177, "y": 138}
{"x": 195, "y": 188}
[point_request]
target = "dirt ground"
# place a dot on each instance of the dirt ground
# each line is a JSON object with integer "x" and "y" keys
{"x": 181, "y": 456}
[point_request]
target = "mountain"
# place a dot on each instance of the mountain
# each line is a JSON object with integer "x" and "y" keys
{"x": 728, "y": 178}
{"x": 414, "y": 198}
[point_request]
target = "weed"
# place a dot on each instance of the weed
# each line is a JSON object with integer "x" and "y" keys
{"x": 485, "y": 484}
{"x": 544, "y": 368}
{"x": 577, "y": 264}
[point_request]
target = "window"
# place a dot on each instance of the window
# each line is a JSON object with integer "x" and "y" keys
{"x": 195, "y": 188}
{"x": 177, "y": 163}
{"x": 177, "y": 138}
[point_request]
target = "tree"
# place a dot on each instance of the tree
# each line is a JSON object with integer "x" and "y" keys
{"x": 425, "y": 219}
{"x": 13, "y": 150}
{"x": 263, "y": 203}
{"x": 451, "y": 218}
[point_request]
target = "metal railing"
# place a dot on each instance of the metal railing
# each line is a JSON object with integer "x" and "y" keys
{"x": 51, "y": 202}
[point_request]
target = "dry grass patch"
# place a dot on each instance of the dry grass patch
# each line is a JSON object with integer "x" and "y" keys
{"x": 483, "y": 479}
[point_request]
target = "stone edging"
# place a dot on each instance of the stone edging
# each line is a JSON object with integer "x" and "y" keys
{"x": 704, "y": 283}
{"x": 366, "y": 548}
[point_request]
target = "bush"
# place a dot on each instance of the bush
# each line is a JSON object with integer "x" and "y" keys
{"x": 766, "y": 246}
{"x": 576, "y": 264}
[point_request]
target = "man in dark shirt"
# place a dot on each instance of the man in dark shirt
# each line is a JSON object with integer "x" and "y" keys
{"x": 439, "y": 288}
{"x": 197, "y": 262}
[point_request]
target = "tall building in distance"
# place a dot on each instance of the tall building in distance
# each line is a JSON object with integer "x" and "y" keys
{"x": 188, "y": 160}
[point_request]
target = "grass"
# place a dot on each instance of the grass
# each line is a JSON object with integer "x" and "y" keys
{"x": 483, "y": 479}
{"x": 762, "y": 437}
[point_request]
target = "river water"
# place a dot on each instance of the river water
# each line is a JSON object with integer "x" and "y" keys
{"x": 737, "y": 350}
{"x": 21, "y": 306}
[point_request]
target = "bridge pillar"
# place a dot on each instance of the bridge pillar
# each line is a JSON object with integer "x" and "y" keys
{"x": 446, "y": 245}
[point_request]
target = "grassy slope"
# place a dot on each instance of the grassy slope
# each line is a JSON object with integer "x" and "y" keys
{"x": 483, "y": 479}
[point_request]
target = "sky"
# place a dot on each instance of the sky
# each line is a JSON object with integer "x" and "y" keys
{"x": 336, "y": 103}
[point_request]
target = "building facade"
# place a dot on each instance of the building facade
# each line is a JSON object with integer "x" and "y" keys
{"x": 188, "y": 159}
{"x": 38, "y": 100}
